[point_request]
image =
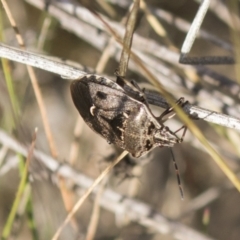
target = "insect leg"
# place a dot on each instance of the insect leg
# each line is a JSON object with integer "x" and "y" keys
{"x": 131, "y": 88}
{"x": 174, "y": 134}
{"x": 169, "y": 112}
{"x": 176, "y": 139}
{"x": 177, "y": 174}
{"x": 183, "y": 134}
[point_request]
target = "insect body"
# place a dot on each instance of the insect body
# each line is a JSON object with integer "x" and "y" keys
{"x": 121, "y": 118}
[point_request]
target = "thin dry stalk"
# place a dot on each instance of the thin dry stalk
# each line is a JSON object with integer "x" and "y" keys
{"x": 155, "y": 24}
{"x": 87, "y": 193}
{"x": 127, "y": 40}
{"x": 191, "y": 126}
{"x": 92, "y": 227}
{"x": 43, "y": 34}
{"x": 35, "y": 85}
{"x": 123, "y": 65}
{"x": 189, "y": 123}
{"x": 68, "y": 199}
{"x": 74, "y": 148}
{"x": 135, "y": 210}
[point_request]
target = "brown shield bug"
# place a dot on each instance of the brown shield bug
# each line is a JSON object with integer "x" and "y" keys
{"x": 122, "y": 116}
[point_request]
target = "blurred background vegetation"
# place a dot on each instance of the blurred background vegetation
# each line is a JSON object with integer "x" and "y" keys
{"x": 217, "y": 212}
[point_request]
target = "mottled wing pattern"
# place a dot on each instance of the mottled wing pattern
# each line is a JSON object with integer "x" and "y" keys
{"x": 101, "y": 106}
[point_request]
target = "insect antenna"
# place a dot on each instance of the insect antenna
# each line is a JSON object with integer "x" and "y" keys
{"x": 177, "y": 174}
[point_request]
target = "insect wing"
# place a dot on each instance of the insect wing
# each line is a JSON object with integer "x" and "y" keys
{"x": 101, "y": 105}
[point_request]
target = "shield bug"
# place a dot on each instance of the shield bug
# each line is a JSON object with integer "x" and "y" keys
{"x": 122, "y": 116}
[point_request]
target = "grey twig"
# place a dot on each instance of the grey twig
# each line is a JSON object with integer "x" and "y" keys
{"x": 70, "y": 73}
{"x": 41, "y": 62}
{"x": 79, "y": 20}
{"x": 197, "y": 112}
{"x": 132, "y": 209}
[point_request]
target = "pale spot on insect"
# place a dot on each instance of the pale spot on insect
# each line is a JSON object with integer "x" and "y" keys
{"x": 92, "y": 108}
{"x": 98, "y": 77}
{"x": 108, "y": 81}
{"x": 125, "y": 115}
{"x": 87, "y": 76}
{"x": 122, "y": 130}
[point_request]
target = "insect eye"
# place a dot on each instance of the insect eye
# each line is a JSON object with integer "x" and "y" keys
{"x": 101, "y": 95}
